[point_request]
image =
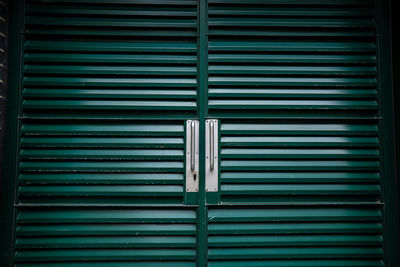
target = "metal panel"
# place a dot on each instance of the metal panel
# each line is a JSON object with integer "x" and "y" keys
{"x": 106, "y": 90}
{"x": 294, "y": 86}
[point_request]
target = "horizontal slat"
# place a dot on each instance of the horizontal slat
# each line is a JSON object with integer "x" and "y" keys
{"x": 294, "y": 228}
{"x": 295, "y": 189}
{"x": 101, "y": 129}
{"x": 110, "y": 46}
{"x": 109, "y": 154}
{"x": 64, "y": 215}
{"x": 108, "y": 105}
{"x": 146, "y": 263}
{"x": 289, "y": 32}
{"x": 288, "y": 11}
{"x": 291, "y": 46}
{"x": 294, "y": 2}
{"x": 111, "y": 22}
{"x": 105, "y": 254}
{"x": 297, "y": 177}
{"x": 109, "y": 70}
{"x": 299, "y": 129}
{"x": 106, "y": 242}
{"x": 292, "y": 214}
{"x": 314, "y": 165}
{"x": 290, "y": 22}
{"x": 292, "y": 104}
{"x": 315, "y": 141}
{"x": 102, "y": 190}
{"x": 122, "y": 142}
{"x": 289, "y": 58}
{"x": 124, "y": 2}
{"x": 153, "y": 166}
{"x": 116, "y": 32}
{"x": 115, "y": 10}
{"x": 123, "y": 59}
{"x": 105, "y": 229}
{"x": 109, "y": 82}
{"x": 299, "y": 253}
{"x": 298, "y": 153}
{"x": 280, "y": 81}
{"x": 109, "y": 94}
{"x": 109, "y": 178}
{"x": 293, "y": 240}
{"x": 301, "y": 263}
{"x": 289, "y": 70}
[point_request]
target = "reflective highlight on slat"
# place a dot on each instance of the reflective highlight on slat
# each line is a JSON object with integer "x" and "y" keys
{"x": 103, "y": 59}
{"x": 84, "y": 236}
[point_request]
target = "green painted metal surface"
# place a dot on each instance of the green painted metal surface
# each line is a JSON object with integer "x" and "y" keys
{"x": 106, "y": 87}
{"x": 296, "y": 87}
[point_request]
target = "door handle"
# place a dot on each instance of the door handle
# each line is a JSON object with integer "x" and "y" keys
{"x": 211, "y": 145}
{"x": 192, "y": 146}
{"x": 192, "y": 156}
{"x": 211, "y": 155}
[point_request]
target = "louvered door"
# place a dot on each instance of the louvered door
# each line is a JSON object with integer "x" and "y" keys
{"x": 109, "y": 91}
{"x": 294, "y": 85}
{"x": 107, "y": 88}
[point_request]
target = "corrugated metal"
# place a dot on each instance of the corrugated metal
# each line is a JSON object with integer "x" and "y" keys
{"x": 107, "y": 87}
{"x": 294, "y": 84}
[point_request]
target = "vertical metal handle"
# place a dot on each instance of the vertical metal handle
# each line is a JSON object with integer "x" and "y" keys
{"x": 212, "y": 155}
{"x": 211, "y": 145}
{"x": 192, "y": 147}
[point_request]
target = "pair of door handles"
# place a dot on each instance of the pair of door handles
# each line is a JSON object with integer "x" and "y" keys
{"x": 192, "y": 155}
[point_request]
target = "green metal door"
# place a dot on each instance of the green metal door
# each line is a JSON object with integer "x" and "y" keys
{"x": 107, "y": 88}
{"x": 294, "y": 85}
{"x": 287, "y": 166}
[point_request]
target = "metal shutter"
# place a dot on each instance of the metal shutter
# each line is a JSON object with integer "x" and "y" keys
{"x": 107, "y": 86}
{"x": 295, "y": 86}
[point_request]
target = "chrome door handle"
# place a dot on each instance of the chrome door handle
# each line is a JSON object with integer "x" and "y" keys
{"x": 212, "y": 155}
{"x": 211, "y": 145}
{"x": 192, "y": 156}
{"x": 192, "y": 146}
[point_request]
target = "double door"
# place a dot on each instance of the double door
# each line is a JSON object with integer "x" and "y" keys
{"x": 183, "y": 133}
